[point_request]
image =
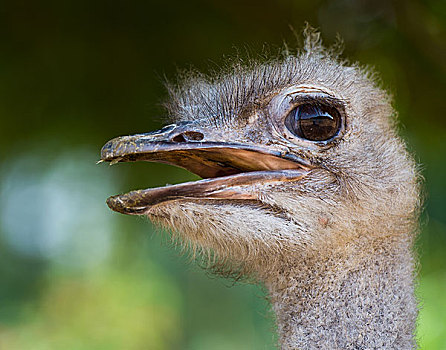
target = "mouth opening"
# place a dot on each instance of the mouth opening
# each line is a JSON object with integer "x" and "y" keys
{"x": 228, "y": 171}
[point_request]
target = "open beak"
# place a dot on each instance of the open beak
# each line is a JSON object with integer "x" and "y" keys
{"x": 229, "y": 170}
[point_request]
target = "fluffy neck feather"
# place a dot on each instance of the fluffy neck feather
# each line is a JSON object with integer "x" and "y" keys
{"x": 357, "y": 297}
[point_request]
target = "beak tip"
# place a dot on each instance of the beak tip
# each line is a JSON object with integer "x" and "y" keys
{"x": 107, "y": 150}
{"x": 110, "y": 202}
{"x": 115, "y": 204}
{"x": 121, "y": 146}
{"x": 127, "y": 204}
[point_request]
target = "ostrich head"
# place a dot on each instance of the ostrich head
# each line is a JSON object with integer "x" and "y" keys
{"x": 299, "y": 158}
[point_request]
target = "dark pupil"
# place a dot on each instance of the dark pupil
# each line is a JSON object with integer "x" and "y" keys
{"x": 314, "y": 122}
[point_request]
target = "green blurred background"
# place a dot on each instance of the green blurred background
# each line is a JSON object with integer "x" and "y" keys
{"x": 73, "y": 74}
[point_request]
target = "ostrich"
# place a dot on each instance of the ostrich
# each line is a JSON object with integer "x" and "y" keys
{"x": 306, "y": 189}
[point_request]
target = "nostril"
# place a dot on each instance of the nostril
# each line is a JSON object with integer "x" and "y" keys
{"x": 179, "y": 138}
{"x": 188, "y": 136}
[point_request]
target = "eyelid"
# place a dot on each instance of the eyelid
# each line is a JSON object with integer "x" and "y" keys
{"x": 296, "y": 100}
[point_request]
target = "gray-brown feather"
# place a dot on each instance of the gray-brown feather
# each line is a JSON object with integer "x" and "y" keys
{"x": 334, "y": 249}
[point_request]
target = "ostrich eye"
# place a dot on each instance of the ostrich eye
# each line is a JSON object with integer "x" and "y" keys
{"x": 314, "y": 121}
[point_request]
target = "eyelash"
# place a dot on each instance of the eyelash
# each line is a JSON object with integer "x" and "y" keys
{"x": 323, "y": 99}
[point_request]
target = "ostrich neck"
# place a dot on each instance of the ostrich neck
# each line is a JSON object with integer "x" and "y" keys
{"x": 362, "y": 298}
